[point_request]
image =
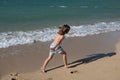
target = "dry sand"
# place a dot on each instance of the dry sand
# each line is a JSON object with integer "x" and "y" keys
{"x": 93, "y": 57}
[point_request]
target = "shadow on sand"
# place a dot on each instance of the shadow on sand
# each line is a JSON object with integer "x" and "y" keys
{"x": 91, "y": 58}
{"x": 88, "y": 59}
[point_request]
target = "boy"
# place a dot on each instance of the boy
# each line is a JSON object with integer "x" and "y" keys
{"x": 55, "y": 46}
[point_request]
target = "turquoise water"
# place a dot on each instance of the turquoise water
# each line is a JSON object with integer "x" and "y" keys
{"x": 28, "y": 21}
{"x": 22, "y": 15}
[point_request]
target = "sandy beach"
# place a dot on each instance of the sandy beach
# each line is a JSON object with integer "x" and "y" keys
{"x": 93, "y": 57}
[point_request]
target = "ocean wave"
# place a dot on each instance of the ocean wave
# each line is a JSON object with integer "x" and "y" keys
{"x": 20, "y": 37}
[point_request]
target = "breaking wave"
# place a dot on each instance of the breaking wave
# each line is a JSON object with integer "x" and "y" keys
{"x": 21, "y": 37}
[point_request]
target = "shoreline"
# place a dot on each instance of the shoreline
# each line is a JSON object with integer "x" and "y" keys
{"x": 47, "y": 34}
{"x": 29, "y": 57}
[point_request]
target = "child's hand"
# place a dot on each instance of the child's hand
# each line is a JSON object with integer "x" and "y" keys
{"x": 52, "y": 49}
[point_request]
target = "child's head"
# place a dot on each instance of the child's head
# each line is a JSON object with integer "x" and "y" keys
{"x": 64, "y": 29}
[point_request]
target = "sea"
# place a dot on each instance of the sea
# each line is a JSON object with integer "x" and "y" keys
{"x": 28, "y": 21}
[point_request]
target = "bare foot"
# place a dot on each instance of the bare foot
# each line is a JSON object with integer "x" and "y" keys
{"x": 42, "y": 70}
{"x": 66, "y": 66}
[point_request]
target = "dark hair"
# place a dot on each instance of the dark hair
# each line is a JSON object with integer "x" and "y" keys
{"x": 64, "y": 29}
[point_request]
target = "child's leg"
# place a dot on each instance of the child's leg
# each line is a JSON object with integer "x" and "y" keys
{"x": 64, "y": 55}
{"x": 46, "y": 62}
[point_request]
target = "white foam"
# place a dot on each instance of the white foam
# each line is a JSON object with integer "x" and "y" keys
{"x": 62, "y": 6}
{"x": 47, "y": 34}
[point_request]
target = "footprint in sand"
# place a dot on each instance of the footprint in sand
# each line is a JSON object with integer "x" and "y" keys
{"x": 14, "y": 76}
{"x": 74, "y": 71}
